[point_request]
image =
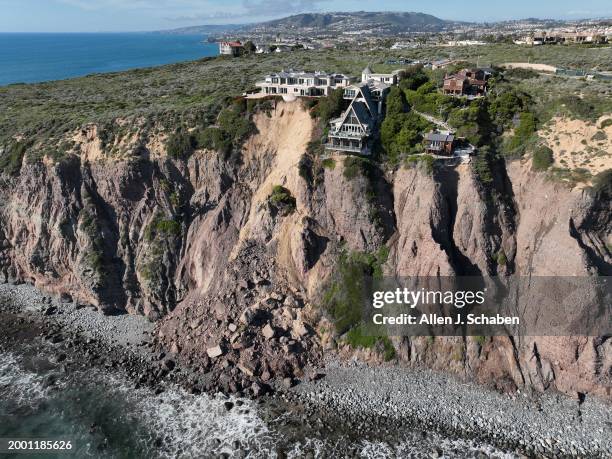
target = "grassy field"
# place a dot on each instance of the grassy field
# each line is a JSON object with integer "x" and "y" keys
{"x": 193, "y": 93}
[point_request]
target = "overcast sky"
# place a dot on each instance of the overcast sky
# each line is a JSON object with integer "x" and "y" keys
{"x": 135, "y": 15}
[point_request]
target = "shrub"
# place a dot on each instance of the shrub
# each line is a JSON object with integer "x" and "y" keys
{"x": 482, "y": 166}
{"x": 578, "y": 107}
{"x": 500, "y": 258}
{"x": 162, "y": 227}
{"x": 425, "y": 161}
{"x": 412, "y": 78}
{"x": 542, "y": 158}
{"x": 605, "y": 123}
{"x": 12, "y": 159}
{"x": 213, "y": 138}
{"x": 521, "y": 74}
{"x": 602, "y": 184}
{"x": 352, "y": 167}
{"x": 330, "y": 106}
{"x": 346, "y": 292}
{"x": 402, "y": 133}
{"x": 281, "y": 198}
{"x": 180, "y": 145}
{"x": 315, "y": 147}
{"x": 358, "y": 337}
{"x": 522, "y": 134}
{"x": 235, "y": 124}
{"x": 305, "y": 168}
{"x": 328, "y": 163}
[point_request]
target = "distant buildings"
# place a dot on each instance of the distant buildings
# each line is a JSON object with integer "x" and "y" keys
{"x": 443, "y": 63}
{"x": 553, "y": 38}
{"x": 294, "y": 83}
{"x": 467, "y": 82}
{"x": 230, "y": 48}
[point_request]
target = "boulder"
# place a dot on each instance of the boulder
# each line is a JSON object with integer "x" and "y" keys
{"x": 220, "y": 311}
{"x": 299, "y": 328}
{"x": 268, "y": 332}
{"x": 247, "y": 368}
{"x": 175, "y": 348}
{"x": 65, "y": 298}
{"x": 251, "y": 315}
{"x": 214, "y": 352}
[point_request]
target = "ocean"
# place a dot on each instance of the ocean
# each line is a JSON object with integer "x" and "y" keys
{"x": 103, "y": 415}
{"x": 30, "y": 58}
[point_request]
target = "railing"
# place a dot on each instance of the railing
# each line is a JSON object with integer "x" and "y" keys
{"x": 329, "y": 146}
{"x": 349, "y": 135}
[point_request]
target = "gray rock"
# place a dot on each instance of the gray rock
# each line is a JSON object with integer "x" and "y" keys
{"x": 214, "y": 352}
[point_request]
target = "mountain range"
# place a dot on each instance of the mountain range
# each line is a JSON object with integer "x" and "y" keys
{"x": 395, "y": 22}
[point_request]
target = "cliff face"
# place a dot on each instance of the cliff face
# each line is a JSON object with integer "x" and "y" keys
{"x": 201, "y": 245}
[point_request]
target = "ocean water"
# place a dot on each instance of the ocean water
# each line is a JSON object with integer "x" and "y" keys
{"x": 29, "y": 58}
{"x": 104, "y": 416}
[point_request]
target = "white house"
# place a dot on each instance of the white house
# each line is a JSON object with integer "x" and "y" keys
{"x": 387, "y": 78}
{"x": 294, "y": 83}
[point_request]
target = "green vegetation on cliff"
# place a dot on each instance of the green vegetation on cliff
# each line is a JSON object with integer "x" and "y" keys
{"x": 192, "y": 103}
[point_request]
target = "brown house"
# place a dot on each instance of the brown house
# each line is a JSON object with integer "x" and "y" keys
{"x": 439, "y": 143}
{"x": 467, "y": 82}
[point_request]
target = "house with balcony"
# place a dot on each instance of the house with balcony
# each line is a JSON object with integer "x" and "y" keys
{"x": 294, "y": 83}
{"x": 467, "y": 82}
{"x": 356, "y": 129}
{"x": 439, "y": 143}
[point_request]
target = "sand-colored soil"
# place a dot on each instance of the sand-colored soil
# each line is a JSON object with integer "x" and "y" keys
{"x": 285, "y": 134}
{"x": 579, "y": 144}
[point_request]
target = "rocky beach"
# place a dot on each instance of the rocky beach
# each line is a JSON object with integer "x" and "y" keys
{"x": 380, "y": 411}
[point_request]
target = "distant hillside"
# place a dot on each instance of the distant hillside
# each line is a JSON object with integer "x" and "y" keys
{"x": 382, "y": 21}
{"x": 207, "y": 29}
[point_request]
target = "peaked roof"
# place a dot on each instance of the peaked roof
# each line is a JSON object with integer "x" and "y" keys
{"x": 439, "y": 137}
{"x": 364, "y": 91}
{"x": 361, "y": 112}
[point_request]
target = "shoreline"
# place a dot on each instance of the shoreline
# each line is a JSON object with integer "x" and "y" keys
{"x": 351, "y": 398}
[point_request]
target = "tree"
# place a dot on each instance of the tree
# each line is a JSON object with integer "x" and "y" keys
{"x": 396, "y": 101}
{"x": 249, "y": 47}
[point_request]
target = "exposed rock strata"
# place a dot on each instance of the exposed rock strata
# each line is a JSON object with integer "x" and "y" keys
{"x": 235, "y": 279}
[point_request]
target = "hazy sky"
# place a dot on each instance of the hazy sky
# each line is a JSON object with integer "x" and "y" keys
{"x": 132, "y": 15}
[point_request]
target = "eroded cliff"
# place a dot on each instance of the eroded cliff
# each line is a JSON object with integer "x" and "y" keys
{"x": 232, "y": 256}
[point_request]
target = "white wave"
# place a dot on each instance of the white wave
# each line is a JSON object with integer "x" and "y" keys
{"x": 17, "y": 384}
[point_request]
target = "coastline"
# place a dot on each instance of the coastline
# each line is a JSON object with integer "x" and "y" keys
{"x": 349, "y": 400}
{"x": 78, "y": 55}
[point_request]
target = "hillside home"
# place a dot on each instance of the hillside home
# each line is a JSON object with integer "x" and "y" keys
{"x": 439, "y": 143}
{"x": 230, "y": 48}
{"x": 354, "y": 131}
{"x": 467, "y": 82}
{"x": 302, "y": 84}
{"x": 387, "y": 78}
